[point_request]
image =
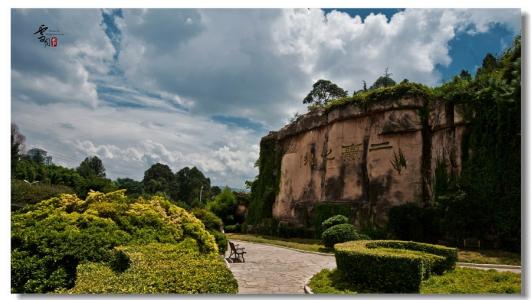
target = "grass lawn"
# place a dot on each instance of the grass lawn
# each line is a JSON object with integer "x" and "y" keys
{"x": 471, "y": 256}
{"x": 459, "y": 281}
{"x": 296, "y": 243}
{"x": 489, "y": 257}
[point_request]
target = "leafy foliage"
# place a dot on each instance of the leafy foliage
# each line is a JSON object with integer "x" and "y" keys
{"x": 17, "y": 145}
{"x": 472, "y": 281}
{"x": 26, "y": 169}
{"x": 323, "y": 91}
{"x": 383, "y": 81}
{"x": 266, "y": 184}
{"x": 158, "y": 268}
{"x": 133, "y": 188}
{"x": 411, "y": 222}
{"x": 24, "y": 193}
{"x": 91, "y": 167}
{"x": 402, "y": 90}
{"x": 334, "y": 220}
{"x": 324, "y": 210}
{"x": 388, "y": 266}
{"x": 484, "y": 201}
{"x": 338, "y": 234}
{"x": 157, "y": 179}
{"x": 458, "y": 281}
{"x": 224, "y": 206}
{"x": 187, "y": 186}
{"x": 211, "y": 221}
{"x": 51, "y": 238}
{"x": 213, "y": 224}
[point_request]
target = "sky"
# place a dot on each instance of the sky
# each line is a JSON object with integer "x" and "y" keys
{"x": 188, "y": 87}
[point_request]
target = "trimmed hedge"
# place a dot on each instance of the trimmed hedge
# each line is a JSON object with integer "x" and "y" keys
{"x": 338, "y": 234}
{"x": 54, "y": 236}
{"x": 387, "y": 266}
{"x": 232, "y": 228}
{"x": 325, "y": 210}
{"x": 211, "y": 221}
{"x": 335, "y": 220}
{"x": 221, "y": 240}
{"x": 158, "y": 268}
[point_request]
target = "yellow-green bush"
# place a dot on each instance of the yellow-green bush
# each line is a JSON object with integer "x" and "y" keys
{"x": 50, "y": 238}
{"x": 388, "y": 266}
{"x": 158, "y": 268}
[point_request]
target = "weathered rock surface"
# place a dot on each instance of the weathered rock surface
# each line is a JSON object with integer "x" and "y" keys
{"x": 370, "y": 157}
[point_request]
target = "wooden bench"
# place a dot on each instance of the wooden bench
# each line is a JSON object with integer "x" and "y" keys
{"x": 236, "y": 253}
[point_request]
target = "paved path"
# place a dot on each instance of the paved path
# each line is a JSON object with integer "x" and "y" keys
{"x": 276, "y": 270}
{"x": 270, "y": 269}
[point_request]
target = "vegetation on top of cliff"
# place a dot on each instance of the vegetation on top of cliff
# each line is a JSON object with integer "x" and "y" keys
{"x": 394, "y": 92}
{"x": 481, "y": 202}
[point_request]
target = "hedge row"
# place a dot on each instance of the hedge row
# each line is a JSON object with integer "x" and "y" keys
{"x": 158, "y": 268}
{"x": 338, "y": 234}
{"x": 386, "y": 266}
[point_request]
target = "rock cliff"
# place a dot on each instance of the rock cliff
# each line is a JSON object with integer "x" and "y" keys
{"x": 369, "y": 157}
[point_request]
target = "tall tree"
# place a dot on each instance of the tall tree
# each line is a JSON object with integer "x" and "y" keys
{"x": 189, "y": 185}
{"x": 157, "y": 178}
{"x": 134, "y": 188}
{"x": 92, "y": 166}
{"x": 324, "y": 91}
{"x": 224, "y": 206}
{"x": 17, "y": 145}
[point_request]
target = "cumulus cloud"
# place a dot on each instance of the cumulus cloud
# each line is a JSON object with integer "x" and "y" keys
{"x": 349, "y": 50}
{"x": 129, "y": 140}
{"x": 63, "y": 73}
{"x": 200, "y": 87}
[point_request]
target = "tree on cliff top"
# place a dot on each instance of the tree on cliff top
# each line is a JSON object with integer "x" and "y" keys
{"x": 324, "y": 91}
{"x": 383, "y": 81}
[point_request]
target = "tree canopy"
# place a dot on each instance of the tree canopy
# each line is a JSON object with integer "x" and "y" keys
{"x": 324, "y": 91}
{"x": 92, "y": 166}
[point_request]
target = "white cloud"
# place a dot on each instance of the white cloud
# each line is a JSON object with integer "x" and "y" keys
{"x": 182, "y": 67}
{"x": 349, "y": 50}
{"x": 129, "y": 140}
{"x": 64, "y": 73}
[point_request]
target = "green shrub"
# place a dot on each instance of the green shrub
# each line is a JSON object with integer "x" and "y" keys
{"x": 158, "y": 268}
{"x": 221, "y": 240}
{"x": 338, "y": 234}
{"x": 233, "y": 228}
{"x": 387, "y": 266}
{"x": 410, "y": 222}
{"x": 211, "y": 221}
{"x": 23, "y": 193}
{"x": 119, "y": 261}
{"x": 458, "y": 281}
{"x": 325, "y": 210}
{"x": 290, "y": 231}
{"x": 224, "y": 206}
{"x": 54, "y": 236}
{"x": 335, "y": 220}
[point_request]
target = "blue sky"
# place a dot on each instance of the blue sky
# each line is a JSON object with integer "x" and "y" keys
{"x": 190, "y": 87}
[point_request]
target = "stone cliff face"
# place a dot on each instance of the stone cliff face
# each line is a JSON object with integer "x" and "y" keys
{"x": 371, "y": 158}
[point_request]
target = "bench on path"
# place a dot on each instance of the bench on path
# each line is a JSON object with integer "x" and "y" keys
{"x": 236, "y": 253}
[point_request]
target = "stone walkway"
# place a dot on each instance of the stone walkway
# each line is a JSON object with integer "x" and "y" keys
{"x": 276, "y": 270}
